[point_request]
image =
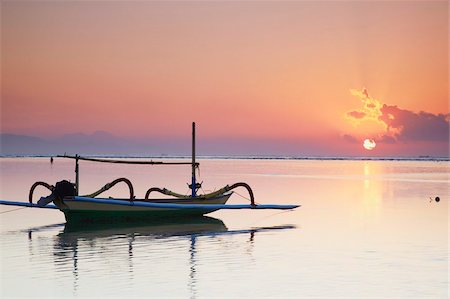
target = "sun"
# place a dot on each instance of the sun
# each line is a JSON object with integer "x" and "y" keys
{"x": 369, "y": 144}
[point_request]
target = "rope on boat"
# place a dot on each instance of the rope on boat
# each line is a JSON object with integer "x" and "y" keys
{"x": 205, "y": 196}
{"x": 249, "y": 189}
{"x": 112, "y": 184}
{"x": 125, "y": 161}
{"x": 13, "y": 210}
{"x": 244, "y": 197}
{"x": 165, "y": 192}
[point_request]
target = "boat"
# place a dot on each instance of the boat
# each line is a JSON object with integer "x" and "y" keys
{"x": 65, "y": 196}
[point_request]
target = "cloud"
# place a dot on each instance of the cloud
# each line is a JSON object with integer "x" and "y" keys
{"x": 385, "y": 139}
{"x": 356, "y": 114}
{"x": 350, "y": 138}
{"x": 405, "y": 125}
{"x": 399, "y": 124}
{"x": 370, "y": 110}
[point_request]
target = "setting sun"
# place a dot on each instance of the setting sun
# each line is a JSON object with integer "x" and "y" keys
{"x": 369, "y": 144}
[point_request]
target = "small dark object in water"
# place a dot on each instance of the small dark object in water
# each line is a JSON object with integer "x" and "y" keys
{"x": 437, "y": 199}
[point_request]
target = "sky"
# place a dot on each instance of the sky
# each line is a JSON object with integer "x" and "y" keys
{"x": 258, "y": 77}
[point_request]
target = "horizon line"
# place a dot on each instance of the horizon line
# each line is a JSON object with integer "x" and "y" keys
{"x": 257, "y": 157}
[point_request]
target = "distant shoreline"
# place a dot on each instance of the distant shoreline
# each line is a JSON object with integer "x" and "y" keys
{"x": 419, "y": 158}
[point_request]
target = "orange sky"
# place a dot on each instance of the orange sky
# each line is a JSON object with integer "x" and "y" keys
{"x": 260, "y": 70}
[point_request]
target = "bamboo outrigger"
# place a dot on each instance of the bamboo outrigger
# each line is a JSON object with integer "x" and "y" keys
{"x": 65, "y": 197}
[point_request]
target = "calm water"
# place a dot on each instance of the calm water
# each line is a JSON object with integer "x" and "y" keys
{"x": 365, "y": 229}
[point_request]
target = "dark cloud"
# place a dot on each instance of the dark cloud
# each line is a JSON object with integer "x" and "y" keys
{"x": 405, "y": 125}
{"x": 385, "y": 139}
{"x": 350, "y": 138}
{"x": 356, "y": 114}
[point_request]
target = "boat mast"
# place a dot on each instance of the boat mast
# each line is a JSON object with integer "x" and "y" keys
{"x": 77, "y": 176}
{"x": 194, "y": 183}
{"x": 193, "y": 162}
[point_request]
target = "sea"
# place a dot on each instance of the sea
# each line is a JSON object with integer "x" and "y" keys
{"x": 366, "y": 228}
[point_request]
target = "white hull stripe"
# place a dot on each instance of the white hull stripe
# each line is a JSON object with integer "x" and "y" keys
{"x": 176, "y": 205}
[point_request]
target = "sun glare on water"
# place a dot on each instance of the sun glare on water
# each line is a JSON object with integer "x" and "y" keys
{"x": 369, "y": 144}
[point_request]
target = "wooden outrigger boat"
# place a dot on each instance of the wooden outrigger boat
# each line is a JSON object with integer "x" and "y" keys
{"x": 80, "y": 208}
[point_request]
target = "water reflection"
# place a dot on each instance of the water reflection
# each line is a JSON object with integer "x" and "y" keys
{"x": 124, "y": 243}
{"x": 373, "y": 188}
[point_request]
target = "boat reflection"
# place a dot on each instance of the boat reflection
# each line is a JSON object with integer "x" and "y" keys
{"x": 198, "y": 226}
{"x": 84, "y": 249}
{"x": 159, "y": 228}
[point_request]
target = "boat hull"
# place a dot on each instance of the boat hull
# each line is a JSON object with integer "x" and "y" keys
{"x": 84, "y": 209}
